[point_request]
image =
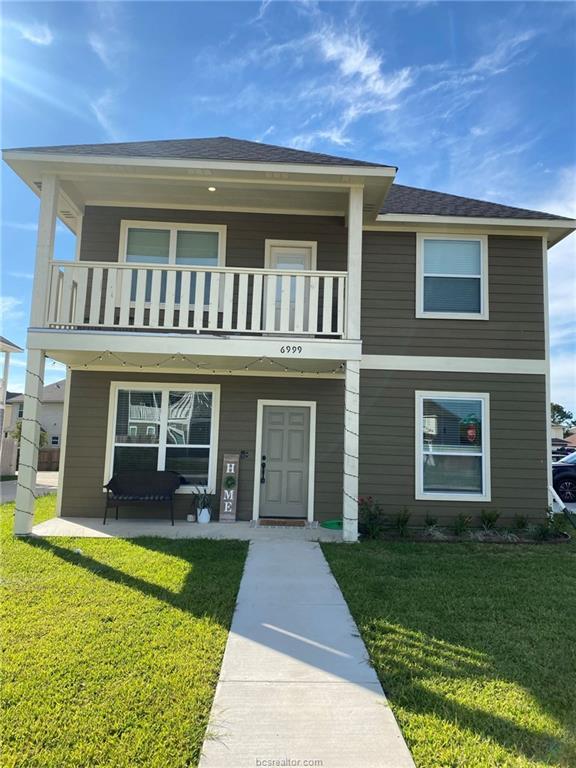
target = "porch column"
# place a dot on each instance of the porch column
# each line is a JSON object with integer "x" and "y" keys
{"x": 354, "y": 279}
{"x": 30, "y": 432}
{"x": 352, "y": 378}
{"x": 351, "y": 432}
{"x": 29, "y": 441}
{"x": 44, "y": 249}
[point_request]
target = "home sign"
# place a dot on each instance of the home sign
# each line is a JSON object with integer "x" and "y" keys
{"x": 229, "y": 495}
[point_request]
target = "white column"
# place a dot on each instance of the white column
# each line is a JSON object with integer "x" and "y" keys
{"x": 351, "y": 431}
{"x": 4, "y": 386}
{"x": 44, "y": 249}
{"x": 548, "y": 395}
{"x": 354, "y": 281}
{"x": 29, "y": 440}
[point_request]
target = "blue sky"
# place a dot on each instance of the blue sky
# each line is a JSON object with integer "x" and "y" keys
{"x": 471, "y": 98}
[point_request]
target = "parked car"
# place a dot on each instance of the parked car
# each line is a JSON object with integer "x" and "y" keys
{"x": 564, "y": 478}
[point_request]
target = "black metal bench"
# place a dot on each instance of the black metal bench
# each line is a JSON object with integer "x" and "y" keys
{"x": 129, "y": 489}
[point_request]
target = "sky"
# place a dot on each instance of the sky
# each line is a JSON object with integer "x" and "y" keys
{"x": 472, "y": 98}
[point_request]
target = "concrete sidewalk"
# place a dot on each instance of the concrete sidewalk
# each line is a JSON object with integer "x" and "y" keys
{"x": 295, "y": 683}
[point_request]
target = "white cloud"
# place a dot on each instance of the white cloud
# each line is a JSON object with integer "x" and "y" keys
{"x": 563, "y": 380}
{"x": 35, "y": 33}
{"x": 10, "y": 309}
{"x": 103, "y": 109}
{"x": 503, "y": 53}
{"x": 24, "y": 275}
{"x": 109, "y": 40}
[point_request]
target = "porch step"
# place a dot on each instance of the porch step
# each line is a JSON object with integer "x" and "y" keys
{"x": 282, "y": 521}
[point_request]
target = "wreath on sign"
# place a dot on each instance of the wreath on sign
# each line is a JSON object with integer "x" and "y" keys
{"x": 229, "y": 482}
{"x": 470, "y": 431}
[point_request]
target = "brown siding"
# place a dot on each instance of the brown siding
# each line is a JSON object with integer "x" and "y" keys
{"x": 88, "y": 416}
{"x": 516, "y": 299}
{"x": 518, "y": 441}
{"x": 246, "y": 233}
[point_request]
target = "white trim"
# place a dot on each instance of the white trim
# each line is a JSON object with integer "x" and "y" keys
{"x": 118, "y": 203}
{"x": 115, "y": 386}
{"x": 452, "y": 364}
{"x": 78, "y": 233}
{"x": 547, "y": 406}
{"x": 311, "y": 404}
{"x": 311, "y": 244}
{"x": 63, "y": 441}
{"x": 483, "y": 277}
{"x": 419, "y": 493}
{"x": 227, "y": 165}
{"x": 488, "y": 221}
{"x": 173, "y": 227}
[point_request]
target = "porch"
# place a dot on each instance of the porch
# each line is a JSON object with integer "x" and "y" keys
{"x": 92, "y": 528}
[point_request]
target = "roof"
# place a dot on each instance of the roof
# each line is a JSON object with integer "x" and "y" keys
{"x": 9, "y": 346}
{"x": 218, "y": 148}
{"x": 52, "y": 393}
{"x": 412, "y": 200}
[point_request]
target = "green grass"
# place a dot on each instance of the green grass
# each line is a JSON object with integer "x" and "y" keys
{"x": 112, "y": 649}
{"x": 475, "y": 646}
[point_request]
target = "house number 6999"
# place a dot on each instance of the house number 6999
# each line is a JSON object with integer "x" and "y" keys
{"x": 291, "y": 350}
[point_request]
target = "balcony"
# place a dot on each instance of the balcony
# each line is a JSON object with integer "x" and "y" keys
{"x": 215, "y": 300}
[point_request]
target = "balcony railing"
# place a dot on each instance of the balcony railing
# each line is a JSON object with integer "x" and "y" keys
{"x": 196, "y": 299}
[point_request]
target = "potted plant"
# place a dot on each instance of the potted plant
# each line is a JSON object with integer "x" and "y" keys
{"x": 202, "y": 503}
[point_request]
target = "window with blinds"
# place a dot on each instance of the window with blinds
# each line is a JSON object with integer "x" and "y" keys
{"x": 452, "y": 277}
{"x": 452, "y": 446}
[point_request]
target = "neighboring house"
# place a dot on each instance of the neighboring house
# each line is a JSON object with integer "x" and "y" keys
{"x": 557, "y": 431}
{"x": 7, "y": 348}
{"x": 344, "y": 334}
{"x": 50, "y": 416}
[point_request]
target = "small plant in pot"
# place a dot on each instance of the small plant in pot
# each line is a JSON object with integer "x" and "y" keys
{"x": 202, "y": 503}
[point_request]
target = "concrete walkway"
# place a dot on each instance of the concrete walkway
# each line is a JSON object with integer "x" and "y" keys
{"x": 295, "y": 684}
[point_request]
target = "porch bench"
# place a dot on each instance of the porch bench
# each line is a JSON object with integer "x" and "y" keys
{"x": 129, "y": 489}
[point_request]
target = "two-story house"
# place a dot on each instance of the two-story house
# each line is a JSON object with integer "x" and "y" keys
{"x": 343, "y": 334}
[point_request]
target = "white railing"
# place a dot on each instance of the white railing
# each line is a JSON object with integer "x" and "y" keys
{"x": 226, "y": 299}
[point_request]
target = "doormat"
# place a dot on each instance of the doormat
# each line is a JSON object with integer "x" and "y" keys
{"x": 284, "y": 521}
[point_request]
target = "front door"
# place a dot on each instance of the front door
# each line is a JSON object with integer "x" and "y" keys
{"x": 285, "y": 461}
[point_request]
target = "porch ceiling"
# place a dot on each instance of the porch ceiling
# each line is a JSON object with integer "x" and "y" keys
{"x": 241, "y": 186}
{"x": 195, "y": 364}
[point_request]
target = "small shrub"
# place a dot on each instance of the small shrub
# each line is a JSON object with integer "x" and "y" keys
{"x": 461, "y": 524}
{"x": 430, "y": 521}
{"x": 543, "y": 531}
{"x": 401, "y": 522}
{"x": 371, "y": 517}
{"x": 521, "y": 522}
{"x": 489, "y": 518}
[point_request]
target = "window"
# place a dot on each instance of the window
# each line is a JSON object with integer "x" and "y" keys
{"x": 165, "y": 427}
{"x": 145, "y": 242}
{"x": 452, "y": 446}
{"x": 55, "y": 440}
{"x": 20, "y": 410}
{"x": 199, "y": 245}
{"x": 452, "y": 277}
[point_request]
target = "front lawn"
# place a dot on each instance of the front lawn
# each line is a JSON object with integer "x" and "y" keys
{"x": 475, "y": 646}
{"x": 112, "y": 648}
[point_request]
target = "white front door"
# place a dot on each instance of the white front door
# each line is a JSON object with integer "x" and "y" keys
{"x": 291, "y": 257}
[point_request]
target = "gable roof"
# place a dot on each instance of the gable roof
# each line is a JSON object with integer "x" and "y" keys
{"x": 426, "y": 202}
{"x": 221, "y": 148}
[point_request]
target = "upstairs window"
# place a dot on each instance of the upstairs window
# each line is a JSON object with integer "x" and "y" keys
{"x": 199, "y": 245}
{"x": 452, "y": 277}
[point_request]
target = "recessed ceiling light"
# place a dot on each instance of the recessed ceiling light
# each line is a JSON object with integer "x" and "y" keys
{"x": 211, "y": 189}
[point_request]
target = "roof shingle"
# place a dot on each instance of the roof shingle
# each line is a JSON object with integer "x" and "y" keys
{"x": 218, "y": 148}
{"x": 411, "y": 200}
